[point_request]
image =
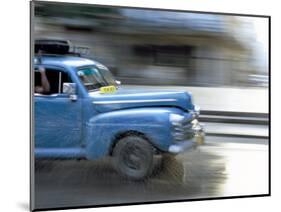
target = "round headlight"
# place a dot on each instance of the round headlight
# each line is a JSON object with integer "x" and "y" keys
{"x": 197, "y": 109}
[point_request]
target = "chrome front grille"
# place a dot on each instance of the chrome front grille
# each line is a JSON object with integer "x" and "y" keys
{"x": 183, "y": 131}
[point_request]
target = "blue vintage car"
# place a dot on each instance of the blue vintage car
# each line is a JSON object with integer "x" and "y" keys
{"x": 85, "y": 113}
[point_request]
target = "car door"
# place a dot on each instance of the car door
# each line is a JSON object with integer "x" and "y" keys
{"x": 57, "y": 117}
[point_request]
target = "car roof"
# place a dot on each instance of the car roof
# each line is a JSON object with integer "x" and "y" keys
{"x": 64, "y": 61}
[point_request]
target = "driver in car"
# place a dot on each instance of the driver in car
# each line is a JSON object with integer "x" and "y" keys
{"x": 44, "y": 86}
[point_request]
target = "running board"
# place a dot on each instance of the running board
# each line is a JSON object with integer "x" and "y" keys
{"x": 59, "y": 153}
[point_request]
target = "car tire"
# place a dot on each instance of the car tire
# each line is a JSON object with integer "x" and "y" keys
{"x": 133, "y": 157}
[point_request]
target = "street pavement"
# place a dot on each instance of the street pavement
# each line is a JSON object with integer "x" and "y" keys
{"x": 223, "y": 166}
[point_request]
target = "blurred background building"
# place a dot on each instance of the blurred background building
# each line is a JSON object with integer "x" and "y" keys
{"x": 152, "y": 47}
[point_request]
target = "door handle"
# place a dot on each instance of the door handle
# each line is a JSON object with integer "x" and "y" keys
{"x": 73, "y": 97}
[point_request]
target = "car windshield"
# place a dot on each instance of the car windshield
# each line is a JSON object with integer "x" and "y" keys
{"x": 94, "y": 77}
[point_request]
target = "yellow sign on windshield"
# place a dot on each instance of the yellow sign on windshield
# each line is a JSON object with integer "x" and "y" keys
{"x": 108, "y": 89}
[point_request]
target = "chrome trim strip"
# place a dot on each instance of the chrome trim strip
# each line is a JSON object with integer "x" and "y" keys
{"x": 133, "y": 101}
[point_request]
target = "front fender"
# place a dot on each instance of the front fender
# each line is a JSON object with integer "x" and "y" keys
{"x": 102, "y": 129}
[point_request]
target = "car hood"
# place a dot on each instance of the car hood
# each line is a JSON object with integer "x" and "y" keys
{"x": 134, "y": 98}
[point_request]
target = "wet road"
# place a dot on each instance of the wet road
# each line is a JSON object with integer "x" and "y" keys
{"x": 223, "y": 166}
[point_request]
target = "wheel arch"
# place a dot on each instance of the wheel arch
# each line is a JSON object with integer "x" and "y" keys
{"x": 124, "y": 134}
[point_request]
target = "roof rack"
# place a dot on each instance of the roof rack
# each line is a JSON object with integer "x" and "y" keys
{"x": 81, "y": 50}
{"x": 59, "y": 47}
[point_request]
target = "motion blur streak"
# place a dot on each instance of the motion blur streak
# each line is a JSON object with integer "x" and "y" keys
{"x": 148, "y": 47}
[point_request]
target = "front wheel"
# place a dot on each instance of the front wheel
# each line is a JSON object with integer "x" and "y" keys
{"x": 133, "y": 157}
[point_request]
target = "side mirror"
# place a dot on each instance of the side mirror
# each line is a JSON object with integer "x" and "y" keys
{"x": 118, "y": 82}
{"x": 70, "y": 89}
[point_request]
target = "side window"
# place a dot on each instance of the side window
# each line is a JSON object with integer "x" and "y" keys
{"x": 49, "y": 81}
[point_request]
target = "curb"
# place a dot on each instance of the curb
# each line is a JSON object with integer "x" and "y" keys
{"x": 236, "y": 135}
{"x": 234, "y": 117}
